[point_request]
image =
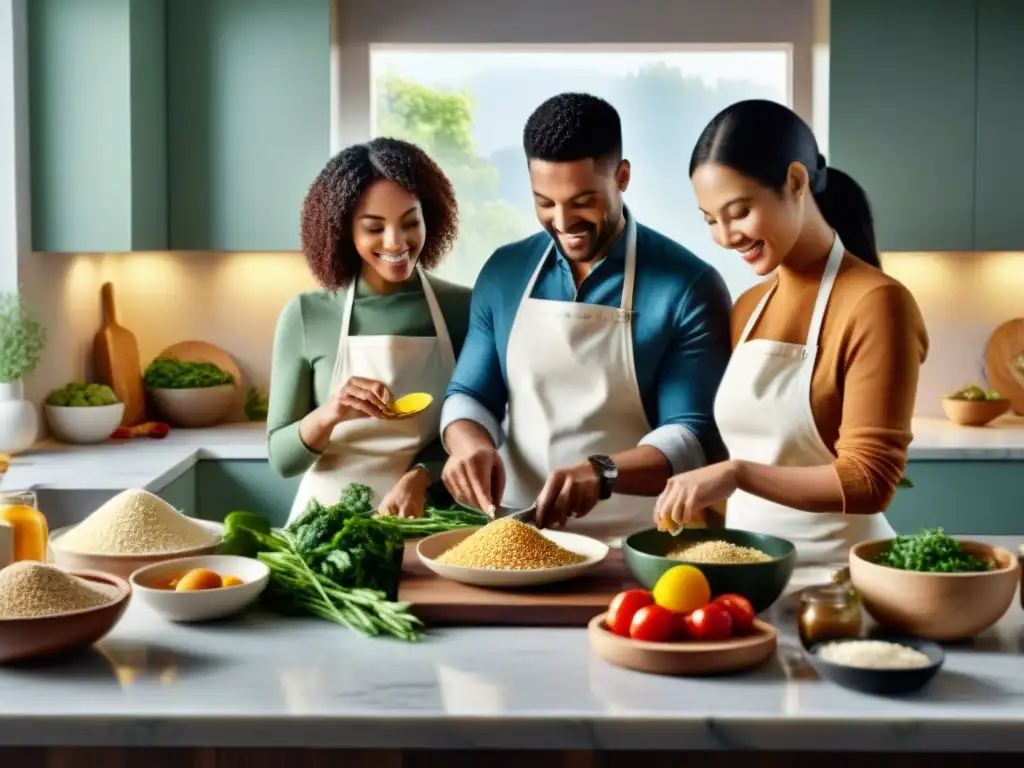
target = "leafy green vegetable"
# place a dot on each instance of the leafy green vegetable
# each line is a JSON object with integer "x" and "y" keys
{"x": 22, "y": 338}
{"x": 78, "y": 394}
{"x": 172, "y": 373}
{"x": 932, "y": 551}
{"x": 904, "y": 483}
{"x": 341, "y": 562}
{"x": 256, "y": 404}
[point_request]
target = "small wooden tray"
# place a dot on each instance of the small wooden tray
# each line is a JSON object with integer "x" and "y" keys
{"x": 683, "y": 658}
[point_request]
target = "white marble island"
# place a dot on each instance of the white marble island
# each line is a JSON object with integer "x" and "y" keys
{"x": 265, "y": 681}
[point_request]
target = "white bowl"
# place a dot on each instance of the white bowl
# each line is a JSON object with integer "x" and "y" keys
{"x": 200, "y": 407}
{"x": 83, "y": 424}
{"x": 124, "y": 565}
{"x": 434, "y": 546}
{"x": 205, "y": 604}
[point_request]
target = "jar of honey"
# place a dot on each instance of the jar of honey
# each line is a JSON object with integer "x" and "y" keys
{"x": 829, "y": 612}
{"x": 20, "y": 510}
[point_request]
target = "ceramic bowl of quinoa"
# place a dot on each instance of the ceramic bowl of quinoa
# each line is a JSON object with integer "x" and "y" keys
{"x": 754, "y": 565}
{"x": 134, "y": 529}
{"x": 46, "y": 610}
{"x": 506, "y": 554}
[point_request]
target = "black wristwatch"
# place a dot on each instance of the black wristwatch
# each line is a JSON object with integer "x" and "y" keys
{"x": 607, "y": 473}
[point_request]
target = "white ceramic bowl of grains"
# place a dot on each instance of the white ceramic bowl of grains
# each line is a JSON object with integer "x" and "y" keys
{"x": 200, "y": 588}
{"x": 133, "y": 529}
{"x": 46, "y": 610}
{"x": 507, "y": 553}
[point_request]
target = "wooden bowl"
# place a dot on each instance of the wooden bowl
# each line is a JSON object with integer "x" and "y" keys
{"x": 683, "y": 657}
{"x": 124, "y": 565}
{"x": 935, "y": 606}
{"x": 23, "y": 639}
{"x": 645, "y": 553}
{"x": 974, "y": 413}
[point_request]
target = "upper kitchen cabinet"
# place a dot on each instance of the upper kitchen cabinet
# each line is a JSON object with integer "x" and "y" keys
{"x": 248, "y": 106}
{"x": 903, "y": 111}
{"x": 97, "y": 123}
{"x": 999, "y": 205}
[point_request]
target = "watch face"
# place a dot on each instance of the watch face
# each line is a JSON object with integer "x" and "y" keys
{"x": 604, "y": 465}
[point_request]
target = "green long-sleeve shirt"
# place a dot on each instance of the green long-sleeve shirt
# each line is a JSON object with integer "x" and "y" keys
{"x": 306, "y": 346}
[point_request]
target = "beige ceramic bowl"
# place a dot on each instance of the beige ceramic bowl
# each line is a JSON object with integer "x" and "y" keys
{"x": 202, "y": 407}
{"x": 200, "y": 605}
{"x": 124, "y": 565}
{"x": 974, "y": 413}
{"x": 23, "y": 639}
{"x": 937, "y": 606}
{"x": 83, "y": 424}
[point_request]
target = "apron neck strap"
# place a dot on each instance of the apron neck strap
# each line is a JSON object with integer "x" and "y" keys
{"x": 828, "y": 279}
{"x": 346, "y": 311}
{"x": 440, "y": 326}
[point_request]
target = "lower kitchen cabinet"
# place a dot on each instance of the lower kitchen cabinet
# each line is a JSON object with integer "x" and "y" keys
{"x": 964, "y": 497}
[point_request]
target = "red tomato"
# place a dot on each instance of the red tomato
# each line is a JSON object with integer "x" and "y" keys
{"x": 654, "y": 624}
{"x": 740, "y": 609}
{"x": 622, "y": 608}
{"x": 712, "y": 622}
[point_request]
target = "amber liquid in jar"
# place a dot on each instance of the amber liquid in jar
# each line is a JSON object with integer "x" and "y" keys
{"x": 829, "y": 612}
{"x": 20, "y": 510}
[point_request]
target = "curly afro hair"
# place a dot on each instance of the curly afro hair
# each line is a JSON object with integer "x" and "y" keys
{"x": 573, "y": 126}
{"x": 326, "y": 224}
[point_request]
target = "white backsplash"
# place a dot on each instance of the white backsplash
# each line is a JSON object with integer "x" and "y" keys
{"x": 233, "y": 300}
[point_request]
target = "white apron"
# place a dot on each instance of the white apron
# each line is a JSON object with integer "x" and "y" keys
{"x": 377, "y": 452}
{"x": 763, "y": 410}
{"x": 573, "y": 393}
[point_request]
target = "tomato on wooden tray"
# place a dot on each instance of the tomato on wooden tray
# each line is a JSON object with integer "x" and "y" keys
{"x": 623, "y": 607}
{"x": 712, "y": 622}
{"x": 740, "y": 609}
{"x": 655, "y": 624}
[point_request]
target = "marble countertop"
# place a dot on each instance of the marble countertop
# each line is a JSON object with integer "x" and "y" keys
{"x": 261, "y": 680}
{"x": 151, "y": 464}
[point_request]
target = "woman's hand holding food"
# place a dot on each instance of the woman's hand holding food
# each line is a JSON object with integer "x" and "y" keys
{"x": 358, "y": 398}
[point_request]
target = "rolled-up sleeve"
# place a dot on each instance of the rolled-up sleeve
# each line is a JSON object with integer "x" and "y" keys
{"x": 478, "y": 391}
{"x": 689, "y": 375}
{"x": 887, "y": 343}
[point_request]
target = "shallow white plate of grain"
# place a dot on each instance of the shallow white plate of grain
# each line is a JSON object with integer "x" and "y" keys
{"x": 589, "y": 553}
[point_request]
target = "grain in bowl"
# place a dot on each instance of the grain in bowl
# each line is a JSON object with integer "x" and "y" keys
{"x": 135, "y": 522}
{"x": 717, "y": 553}
{"x": 30, "y": 590}
{"x": 873, "y": 654}
{"x": 509, "y": 545}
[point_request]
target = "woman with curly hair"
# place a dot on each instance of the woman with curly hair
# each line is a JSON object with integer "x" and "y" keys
{"x": 376, "y": 219}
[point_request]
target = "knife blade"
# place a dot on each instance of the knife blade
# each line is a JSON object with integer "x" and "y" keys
{"x": 527, "y": 515}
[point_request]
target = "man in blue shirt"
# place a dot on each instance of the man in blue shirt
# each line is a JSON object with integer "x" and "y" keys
{"x": 595, "y": 347}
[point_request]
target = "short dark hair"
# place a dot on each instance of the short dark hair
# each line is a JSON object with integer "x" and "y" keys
{"x": 573, "y": 126}
{"x": 760, "y": 139}
{"x": 326, "y": 221}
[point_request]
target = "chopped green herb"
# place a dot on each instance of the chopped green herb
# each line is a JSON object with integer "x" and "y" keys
{"x": 172, "y": 373}
{"x": 930, "y": 550}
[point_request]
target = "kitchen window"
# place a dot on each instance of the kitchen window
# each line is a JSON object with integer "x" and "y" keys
{"x": 466, "y": 105}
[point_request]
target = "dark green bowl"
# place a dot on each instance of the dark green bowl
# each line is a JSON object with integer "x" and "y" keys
{"x": 761, "y": 583}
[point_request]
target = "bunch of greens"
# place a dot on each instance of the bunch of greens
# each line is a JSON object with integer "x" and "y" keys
{"x": 340, "y": 562}
{"x": 256, "y": 404}
{"x": 172, "y": 373}
{"x": 78, "y": 394}
{"x": 933, "y": 551}
{"x": 22, "y": 339}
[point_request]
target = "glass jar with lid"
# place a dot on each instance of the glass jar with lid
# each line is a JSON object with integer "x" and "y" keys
{"x": 830, "y": 612}
{"x": 20, "y": 510}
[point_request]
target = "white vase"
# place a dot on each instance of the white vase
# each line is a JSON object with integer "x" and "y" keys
{"x": 19, "y": 420}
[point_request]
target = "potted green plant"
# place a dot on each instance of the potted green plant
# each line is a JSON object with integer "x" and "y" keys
{"x": 22, "y": 339}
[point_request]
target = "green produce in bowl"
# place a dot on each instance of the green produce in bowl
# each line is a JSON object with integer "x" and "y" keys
{"x": 931, "y": 550}
{"x": 78, "y": 394}
{"x": 974, "y": 393}
{"x": 172, "y": 373}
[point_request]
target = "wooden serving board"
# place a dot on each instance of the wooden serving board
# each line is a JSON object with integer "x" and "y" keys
{"x": 573, "y": 603}
{"x": 115, "y": 361}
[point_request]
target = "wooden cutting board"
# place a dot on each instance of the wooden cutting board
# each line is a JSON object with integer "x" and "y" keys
{"x": 573, "y": 603}
{"x": 115, "y": 361}
{"x": 1006, "y": 342}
